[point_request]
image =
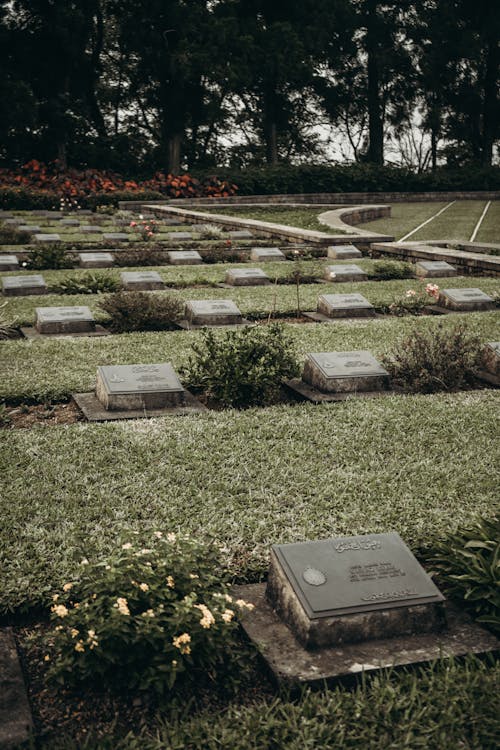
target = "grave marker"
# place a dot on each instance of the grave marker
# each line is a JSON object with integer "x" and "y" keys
{"x": 9, "y": 263}
{"x": 465, "y": 299}
{"x": 179, "y": 236}
{"x": 339, "y": 273}
{"x": 95, "y": 260}
{"x": 266, "y": 254}
{"x": 343, "y": 252}
{"x": 51, "y": 238}
{"x": 76, "y": 319}
{"x": 29, "y": 228}
{"x": 491, "y": 357}
{"x": 247, "y": 277}
{"x": 240, "y": 234}
{"x": 184, "y": 258}
{"x": 21, "y": 286}
{"x": 344, "y": 306}
{"x": 434, "y": 268}
{"x": 344, "y": 372}
{"x": 70, "y": 223}
{"x": 221, "y": 312}
{"x": 141, "y": 280}
{"x": 90, "y": 229}
{"x": 352, "y": 589}
{"x": 130, "y": 387}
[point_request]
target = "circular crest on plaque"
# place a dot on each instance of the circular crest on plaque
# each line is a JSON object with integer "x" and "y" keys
{"x": 314, "y": 577}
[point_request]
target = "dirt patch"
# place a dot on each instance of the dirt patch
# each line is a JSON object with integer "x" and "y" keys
{"x": 25, "y": 417}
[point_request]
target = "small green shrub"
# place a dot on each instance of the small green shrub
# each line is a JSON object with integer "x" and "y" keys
{"x": 140, "y": 257}
{"x": 88, "y": 283}
{"x": 210, "y": 231}
{"x": 413, "y": 302}
{"x": 12, "y": 236}
{"x": 145, "y": 618}
{"x": 467, "y": 565}
{"x": 442, "y": 360}
{"x": 49, "y": 257}
{"x": 142, "y": 311}
{"x": 392, "y": 269}
{"x": 244, "y": 367}
{"x": 7, "y": 328}
{"x": 223, "y": 254}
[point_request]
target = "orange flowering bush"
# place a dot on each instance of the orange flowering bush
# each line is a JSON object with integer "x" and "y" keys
{"x": 73, "y": 185}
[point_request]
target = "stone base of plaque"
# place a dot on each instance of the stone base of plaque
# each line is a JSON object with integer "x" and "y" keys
{"x": 293, "y": 666}
{"x": 319, "y": 317}
{"x": 307, "y": 392}
{"x": 347, "y": 628}
{"x": 32, "y": 334}
{"x": 94, "y": 411}
{"x": 143, "y": 286}
{"x": 440, "y": 310}
{"x": 65, "y": 326}
{"x": 315, "y": 377}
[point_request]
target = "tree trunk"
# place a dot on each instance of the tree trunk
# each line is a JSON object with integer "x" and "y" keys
{"x": 174, "y": 153}
{"x": 375, "y": 120}
{"x": 62, "y": 156}
{"x": 271, "y": 136}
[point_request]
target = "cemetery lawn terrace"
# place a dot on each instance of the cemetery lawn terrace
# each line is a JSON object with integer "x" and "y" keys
{"x": 420, "y": 465}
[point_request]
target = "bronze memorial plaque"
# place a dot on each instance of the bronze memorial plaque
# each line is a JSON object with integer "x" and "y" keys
{"x": 355, "y": 574}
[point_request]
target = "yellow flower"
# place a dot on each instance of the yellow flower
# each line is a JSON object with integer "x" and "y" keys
{"x": 228, "y": 598}
{"x": 158, "y": 534}
{"x": 148, "y": 613}
{"x": 67, "y": 586}
{"x": 74, "y": 632}
{"x": 144, "y": 587}
{"x": 60, "y": 610}
{"x": 245, "y": 605}
{"x": 92, "y": 639}
{"x": 181, "y": 642}
{"x": 208, "y": 619}
{"x": 170, "y": 582}
{"x": 174, "y": 662}
{"x": 122, "y": 606}
{"x": 55, "y": 597}
{"x": 193, "y": 575}
{"x": 171, "y": 537}
{"x": 127, "y": 545}
{"x": 46, "y": 657}
{"x": 227, "y": 615}
{"x": 79, "y": 646}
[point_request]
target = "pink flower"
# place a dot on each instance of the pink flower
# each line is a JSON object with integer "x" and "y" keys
{"x": 433, "y": 290}
{"x": 133, "y": 223}
{"x": 411, "y": 293}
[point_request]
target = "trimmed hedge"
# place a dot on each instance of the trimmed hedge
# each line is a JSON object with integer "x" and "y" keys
{"x": 356, "y": 178}
{"x": 24, "y": 199}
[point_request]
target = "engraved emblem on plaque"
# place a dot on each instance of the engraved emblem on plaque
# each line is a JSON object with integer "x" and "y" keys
{"x": 314, "y": 577}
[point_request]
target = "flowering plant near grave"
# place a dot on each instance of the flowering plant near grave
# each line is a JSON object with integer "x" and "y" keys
{"x": 412, "y": 302}
{"x": 146, "y": 228}
{"x": 145, "y": 617}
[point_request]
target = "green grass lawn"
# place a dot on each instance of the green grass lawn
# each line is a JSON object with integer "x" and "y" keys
{"x": 254, "y": 301}
{"x": 305, "y": 218}
{"x": 53, "y": 368}
{"x": 456, "y": 223}
{"x": 418, "y": 465}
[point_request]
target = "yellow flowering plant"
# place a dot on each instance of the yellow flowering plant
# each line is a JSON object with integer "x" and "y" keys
{"x": 153, "y": 613}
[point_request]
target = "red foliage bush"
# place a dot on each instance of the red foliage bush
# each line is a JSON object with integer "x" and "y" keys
{"x": 73, "y": 184}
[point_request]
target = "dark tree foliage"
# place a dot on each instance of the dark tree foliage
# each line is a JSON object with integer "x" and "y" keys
{"x": 172, "y": 84}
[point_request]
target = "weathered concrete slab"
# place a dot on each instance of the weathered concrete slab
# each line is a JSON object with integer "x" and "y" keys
{"x": 94, "y": 411}
{"x": 293, "y": 665}
{"x": 16, "y": 723}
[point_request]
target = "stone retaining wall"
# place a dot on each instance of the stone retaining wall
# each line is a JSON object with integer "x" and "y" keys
{"x": 328, "y": 198}
{"x": 466, "y": 261}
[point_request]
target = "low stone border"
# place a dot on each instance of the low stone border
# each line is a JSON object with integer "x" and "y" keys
{"x": 187, "y": 326}
{"x": 307, "y": 393}
{"x": 413, "y": 251}
{"x": 94, "y": 411}
{"x": 16, "y": 723}
{"x": 364, "y": 314}
{"x": 323, "y": 198}
{"x": 344, "y": 218}
{"x": 292, "y": 665}
{"x": 268, "y": 229}
{"x": 32, "y": 334}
